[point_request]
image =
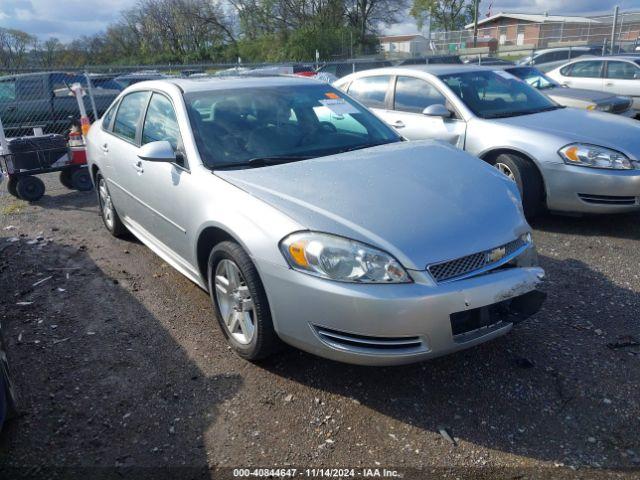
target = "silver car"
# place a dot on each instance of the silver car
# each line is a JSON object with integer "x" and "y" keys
{"x": 618, "y": 75}
{"x": 565, "y": 159}
{"x": 574, "y": 97}
{"x": 310, "y": 221}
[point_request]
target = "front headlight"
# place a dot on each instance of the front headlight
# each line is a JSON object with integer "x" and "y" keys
{"x": 337, "y": 258}
{"x": 603, "y": 107}
{"x": 594, "y": 156}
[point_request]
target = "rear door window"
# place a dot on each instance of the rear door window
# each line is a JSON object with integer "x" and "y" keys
{"x": 128, "y": 115}
{"x": 622, "y": 70}
{"x": 587, "y": 69}
{"x": 108, "y": 117}
{"x": 371, "y": 91}
{"x": 7, "y": 90}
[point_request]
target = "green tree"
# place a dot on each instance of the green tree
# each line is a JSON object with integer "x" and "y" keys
{"x": 447, "y": 15}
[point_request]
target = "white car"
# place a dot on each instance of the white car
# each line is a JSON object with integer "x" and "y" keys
{"x": 619, "y": 75}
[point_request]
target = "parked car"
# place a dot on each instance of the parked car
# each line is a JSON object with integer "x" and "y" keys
{"x": 566, "y": 159}
{"x": 617, "y": 75}
{"x": 104, "y": 81}
{"x": 340, "y": 69}
{"x": 296, "y": 209}
{"x": 132, "y": 78}
{"x": 432, "y": 60}
{"x": 574, "y": 97}
{"x": 44, "y": 100}
{"x": 480, "y": 60}
{"x": 550, "y": 58}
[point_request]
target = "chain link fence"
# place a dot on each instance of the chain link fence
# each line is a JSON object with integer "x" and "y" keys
{"x": 33, "y": 100}
{"x": 513, "y": 38}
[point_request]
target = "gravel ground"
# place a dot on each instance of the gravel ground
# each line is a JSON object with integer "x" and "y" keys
{"x": 122, "y": 371}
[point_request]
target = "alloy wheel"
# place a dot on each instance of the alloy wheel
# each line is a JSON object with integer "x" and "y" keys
{"x": 106, "y": 204}
{"x": 505, "y": 170}
{"x": 235, "y": 302}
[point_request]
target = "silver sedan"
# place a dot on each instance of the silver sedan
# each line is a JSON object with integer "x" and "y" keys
{"x": 566, "y": 159}
{"x": 310, "y": 221}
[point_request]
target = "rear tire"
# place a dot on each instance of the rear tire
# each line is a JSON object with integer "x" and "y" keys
{"x": 30, "y": 188}
{"x": 528, "y": 179}
{"x": 81, "y": 180}
{"x": 240, "y": 303}
{"x": 12, "y": 186}
{"x": 110, "y": 217}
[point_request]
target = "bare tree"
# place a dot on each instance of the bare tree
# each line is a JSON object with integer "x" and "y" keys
{"x": 367, "y": 15}
{"x": 14, "y": 47}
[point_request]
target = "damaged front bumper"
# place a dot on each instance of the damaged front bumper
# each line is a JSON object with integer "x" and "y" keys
{"x": 397, "y": 324}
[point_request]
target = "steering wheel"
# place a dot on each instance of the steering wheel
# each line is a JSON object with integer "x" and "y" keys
{"x": 328, "y": 126}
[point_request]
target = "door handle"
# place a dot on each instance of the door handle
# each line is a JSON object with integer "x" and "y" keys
{"x": 138, "y": 166}
{"x": 105, "y": 148}
{"x": 609, "y": 84}
{"x": 398, "y": 124}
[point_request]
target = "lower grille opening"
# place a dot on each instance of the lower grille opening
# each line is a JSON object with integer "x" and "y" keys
{"x": 471, "y": 323}
{"x": 607, "y": 199}
{"x": 368, "y": 344}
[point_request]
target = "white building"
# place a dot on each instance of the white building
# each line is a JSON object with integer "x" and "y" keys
{"x": 404, "y": 45}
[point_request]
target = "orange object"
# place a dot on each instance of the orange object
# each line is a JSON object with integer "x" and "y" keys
{"x": 85, "y": 124}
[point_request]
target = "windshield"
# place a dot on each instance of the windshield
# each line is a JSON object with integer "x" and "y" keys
{"x": 238, "y": 128}
{"x": 497, "y": 94}
{"x": 533, "y": 77}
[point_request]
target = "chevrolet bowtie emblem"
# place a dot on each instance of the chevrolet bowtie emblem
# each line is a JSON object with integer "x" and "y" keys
{"x": 496, "y": 255}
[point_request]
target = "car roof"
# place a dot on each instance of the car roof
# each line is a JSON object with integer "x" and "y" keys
{"x": 234, "y": 82}
{"x": 559, "y": 49}
{"x": 631, "y": 58}
{"x": 443, "y": 69}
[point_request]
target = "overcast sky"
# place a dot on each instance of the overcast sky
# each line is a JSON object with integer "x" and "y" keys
{"x": 67, "y": 19}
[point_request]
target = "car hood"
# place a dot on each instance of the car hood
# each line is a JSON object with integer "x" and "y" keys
{"x": 570, "y": 125}
{"x": 580, "y": 94}
{"x": 423, "y": 202}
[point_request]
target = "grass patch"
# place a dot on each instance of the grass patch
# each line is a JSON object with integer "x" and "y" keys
{"x": 13, "y": 208}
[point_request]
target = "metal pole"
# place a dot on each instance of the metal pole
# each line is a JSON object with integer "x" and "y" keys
{"x": 613, "y": 28}
{"x": 3, "y": 140}
{"x": 93, "y": 102}
{"x": 475, "y": 22}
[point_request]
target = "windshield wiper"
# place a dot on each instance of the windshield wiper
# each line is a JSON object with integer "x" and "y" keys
{"x": 367, "y": 145}
{"x": 524, "y": 112}
{"x": 262, "y": 161}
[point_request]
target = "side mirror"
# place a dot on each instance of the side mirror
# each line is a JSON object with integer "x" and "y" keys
{"x": 161, "y": 151}
{"x": 437, "y": 110}
{"x": 636, "y": 76}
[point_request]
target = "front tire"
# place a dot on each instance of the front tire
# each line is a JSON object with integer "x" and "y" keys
{"x": 108, "y": 212}
{"x": 528, "y": 179}
{"x": 240, "y": 302}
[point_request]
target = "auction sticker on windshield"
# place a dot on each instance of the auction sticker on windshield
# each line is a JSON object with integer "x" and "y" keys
{"x": 339, "y": 106}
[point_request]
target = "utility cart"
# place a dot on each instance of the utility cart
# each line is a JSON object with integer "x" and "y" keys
{"x": 25, "y": 157}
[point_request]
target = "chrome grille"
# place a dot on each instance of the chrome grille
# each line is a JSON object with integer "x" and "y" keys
{"x": 463, "y": 266}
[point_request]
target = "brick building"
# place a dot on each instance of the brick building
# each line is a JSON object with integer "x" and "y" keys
{"x": 539, "y": 31}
